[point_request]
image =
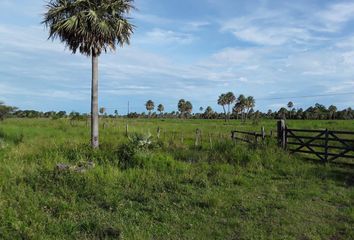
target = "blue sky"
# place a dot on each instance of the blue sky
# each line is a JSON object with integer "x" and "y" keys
{"x": 187, "y": 49}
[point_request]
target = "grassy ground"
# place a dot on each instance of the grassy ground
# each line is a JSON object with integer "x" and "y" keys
{"x": 170, "y": 189}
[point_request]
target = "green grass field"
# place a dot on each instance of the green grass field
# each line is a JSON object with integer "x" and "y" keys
{"x": 169, "y": 189}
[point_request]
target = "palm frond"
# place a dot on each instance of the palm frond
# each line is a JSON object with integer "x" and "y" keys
{"x": 90, "y": 26}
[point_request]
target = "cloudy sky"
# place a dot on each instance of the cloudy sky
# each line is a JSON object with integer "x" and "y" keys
{"x": 274, "y": 50}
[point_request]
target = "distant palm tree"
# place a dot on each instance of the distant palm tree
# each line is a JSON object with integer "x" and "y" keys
{"x": 150, "y": 105}
{"x": 290, "y": 107}
{"x": 189, "y": 107}
{"x": 230, "y": 99}
{"x": 90, "y": 27}
{"x": 222, "y": 101}
{"x": 249, "y": 104}
{"x": 102, "y": 110}
{"x": 208, "y": 112}
{"x": 240, "y": 105}
{"x": 332, "y": 111}
{"x": 181, "y": 105}
{"x": 160, "y": 108}
{"x": 201, "y": 109}
{"x": 185, "y": 107}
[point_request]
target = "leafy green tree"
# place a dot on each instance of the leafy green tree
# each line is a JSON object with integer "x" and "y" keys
{"x": 5, "y": 111}
{"x": 90, "y": 27}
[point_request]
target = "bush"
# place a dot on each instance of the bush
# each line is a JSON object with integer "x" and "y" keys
{"x": 126, "y": 153}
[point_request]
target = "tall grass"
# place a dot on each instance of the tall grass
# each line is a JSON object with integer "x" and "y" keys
{"x": 167, "y": 189}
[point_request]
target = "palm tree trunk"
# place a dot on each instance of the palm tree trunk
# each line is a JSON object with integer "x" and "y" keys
{"x": 94, "y": 103}
{"x": 228, "y": 112}
{"x": 224, "y": 112}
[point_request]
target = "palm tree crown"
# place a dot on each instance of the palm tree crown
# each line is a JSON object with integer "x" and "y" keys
{"x": 150, "y": 105}
{"x": 89, "y": 26}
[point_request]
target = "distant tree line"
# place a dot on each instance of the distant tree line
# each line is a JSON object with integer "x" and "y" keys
{"x": 241, "y": 107}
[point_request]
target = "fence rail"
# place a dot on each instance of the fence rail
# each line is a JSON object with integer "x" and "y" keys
{"x": 326, "y": 145}
{"x": 248, "y": 137}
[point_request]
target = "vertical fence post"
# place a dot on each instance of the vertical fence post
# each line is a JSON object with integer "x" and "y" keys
{"x": 126, "y": 130}
{"x": 326, "y": 146}
{"x": 281, "y": 133}
{"x": 158, "y": 132}
{"x": 210, "y": 141}
{"x": 263, "y": 134}
{"x": 255, "y": 138}
{"x": 197, "y": 137}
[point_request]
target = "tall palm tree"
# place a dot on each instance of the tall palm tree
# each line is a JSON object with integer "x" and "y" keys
{"x": 150, "y": 105}
{"x": 222, "y": 102}
{"x": 90, "y": 27}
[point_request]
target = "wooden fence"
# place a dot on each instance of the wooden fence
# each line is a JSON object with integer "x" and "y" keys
{"x": 325, "y": 144}
{"x": 248, "y": 137}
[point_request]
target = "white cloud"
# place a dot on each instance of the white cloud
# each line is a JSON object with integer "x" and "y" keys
{"x": 161, "y": 36}
{"x": 338, "y": 13}
{"x": 27, "y": 39}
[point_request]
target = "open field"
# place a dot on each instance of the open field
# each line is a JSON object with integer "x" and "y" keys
{"x": 169, "y": 189}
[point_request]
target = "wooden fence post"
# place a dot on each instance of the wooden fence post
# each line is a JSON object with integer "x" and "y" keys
{"x": 263, "y": 134}
{"x": 282, "y": 134}
{"x": 255, "y": 138}
{"x": 197, "y": 137}
{"x": 158, "y": 132}
{"x": 326, "y": 146}
{"x": 210, "y": 141}
{"x": 126, "y": 129}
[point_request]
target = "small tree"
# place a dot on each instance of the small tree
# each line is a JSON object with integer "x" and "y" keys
{"x": 5, "y": 111}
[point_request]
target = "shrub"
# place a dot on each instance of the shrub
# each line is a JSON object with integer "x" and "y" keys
{"x": 126, "y": 153}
